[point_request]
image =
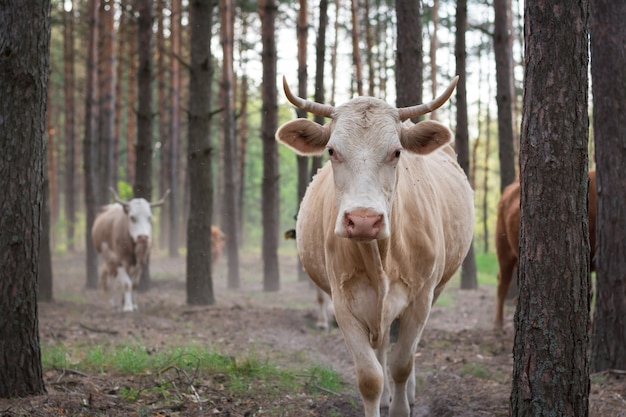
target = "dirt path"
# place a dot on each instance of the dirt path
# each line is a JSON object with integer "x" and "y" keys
{"x": 463, "y": 367}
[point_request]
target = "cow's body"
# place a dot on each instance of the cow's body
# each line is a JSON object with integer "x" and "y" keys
{"x": 122, "y": 235}
{"x": 381, "y": 233}
{"x": 507, "y": 239}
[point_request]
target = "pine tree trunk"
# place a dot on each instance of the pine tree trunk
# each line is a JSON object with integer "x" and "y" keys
{"x": 468, "y": 269}
{"x": 164, "y": 124}
{"x": 175, "y": 133}
{"x": 70, "y": 127}
{"x": 409, "y": 66}
{"x": 550, "y": 374}
{"x": 356, "y": 51}
{"x": 269, "y": 124}
{"x": 199, "y": 275}
{"x": 504, "y": 87}
{"x": 230, "y": 206}
{"x": 24, "y": 69}
{"x": 90, "y": 150}
{"x": 608, "y": 70}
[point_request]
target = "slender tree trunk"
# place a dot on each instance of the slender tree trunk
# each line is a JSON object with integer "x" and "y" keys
{"x": 550, "y": 373}
{"x": 468, "y": 269}
{"x": 175, "y": 133}
{"x": 164, "y": 124}
{"x": 270, "y": 203}
{"x": 90, "y": 155}
{"x": 229, "y": 214}
{"x": 70, "y": 127}
{"x": 24, "y": 69}
{"x": 199, "y": 275}
{"x": 143, "y": 166}
{"x": 608, "y": 71}
{"x": 121, "y": 70}
{"x": 106, "y": 83}
{"x": 131, "y": 128}
{"x": 243, "y": 145}
{"x": 303, "y": 161}
{"x": 504, "y": 89}
{"x": 356, "y": 50}
{"x": 434, "y": 46}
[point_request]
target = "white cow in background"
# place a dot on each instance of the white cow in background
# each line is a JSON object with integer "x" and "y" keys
{"x": 122, "y": 235}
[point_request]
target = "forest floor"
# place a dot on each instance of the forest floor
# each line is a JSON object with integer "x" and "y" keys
{"x": 463, "y": 367}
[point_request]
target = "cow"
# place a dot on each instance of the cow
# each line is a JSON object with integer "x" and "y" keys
{"x": 122, "y": 236}
{"x": 383, "y": 225}
{"x": 218, "y": 239}
{"x": 507, "y": 239}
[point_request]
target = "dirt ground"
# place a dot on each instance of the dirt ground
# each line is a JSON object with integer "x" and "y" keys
{"x": 463, "y": 368}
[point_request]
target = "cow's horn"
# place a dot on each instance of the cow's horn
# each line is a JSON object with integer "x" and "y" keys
{"x": 117, "y": 197}
{"x": 162, "y": 200}
{"x": 325, "y": 110}
{"x": 421, "y": 109}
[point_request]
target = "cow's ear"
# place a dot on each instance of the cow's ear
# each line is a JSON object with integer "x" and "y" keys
{"x": 425, "y": 137}
{"x": 304, "y": 136}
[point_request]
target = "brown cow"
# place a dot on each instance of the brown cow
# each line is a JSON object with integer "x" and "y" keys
{"x": 507, "y": 239}
{"x": 122, "y": 235}
{"x": 382, "y": 227}
{"x": 218, "y": 239}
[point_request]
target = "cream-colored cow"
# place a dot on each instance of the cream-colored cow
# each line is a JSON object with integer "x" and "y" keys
{"x": 382, "y": 228}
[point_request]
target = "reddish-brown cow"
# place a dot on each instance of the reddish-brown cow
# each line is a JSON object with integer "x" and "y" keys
{"x": 507, "y": 238}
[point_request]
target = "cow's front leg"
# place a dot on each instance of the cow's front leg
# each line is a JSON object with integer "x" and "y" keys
{"x": 369, "y": 371}
{"x": 402, "y": 356}
{"x": 126, "y": 286}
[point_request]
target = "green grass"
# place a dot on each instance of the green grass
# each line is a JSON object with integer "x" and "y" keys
{"x": 240, "y": 375}
{"x": 487, "y": 268}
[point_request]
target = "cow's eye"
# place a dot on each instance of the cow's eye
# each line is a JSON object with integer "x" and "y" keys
{"x": 133, "y": 219}
{"x": 331, "y": 151}
{"x": 397, "y": 153}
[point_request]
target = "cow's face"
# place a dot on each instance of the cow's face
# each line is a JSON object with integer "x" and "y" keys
{"x": 365, "y": 142}
{"x": 139, "y": 220}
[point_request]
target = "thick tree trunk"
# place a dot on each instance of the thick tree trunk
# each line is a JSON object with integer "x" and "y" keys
{"x": 550, "y": 374}
{"x": 199, "y": 275}
{"x": 608, "y": 70}
{"x": 164, "y": 124}
{"x": 24, "y": 68}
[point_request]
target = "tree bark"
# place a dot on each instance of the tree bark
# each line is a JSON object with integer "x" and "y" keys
{"x": 24, "y": 70}
{"x": 90, "y": 150}
{"x": 175, "y": 132}
{"x": 70, "y": 127}
{"x": 608, "y": 71}
{"x": 409, "y": 66}
{"x": 143, "y": 165}
{"x": 270, "y": 203}
{"x": 231, "y": 181}
{"x": 468, "y": 269}
{"x": 356, "y": 50}
{"x": 550, "y": 375}
{"x": 199, "y": 275}
{"x": 504, "y": 91}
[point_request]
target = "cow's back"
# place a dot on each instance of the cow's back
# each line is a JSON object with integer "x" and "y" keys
{"x": 111, "y": 227}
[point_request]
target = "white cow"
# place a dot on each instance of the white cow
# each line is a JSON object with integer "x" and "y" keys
{"x": 122, "y": 235}
{"x": 383, "y": 226}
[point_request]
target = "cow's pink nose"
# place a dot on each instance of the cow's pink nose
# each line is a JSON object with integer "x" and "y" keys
{"x": 363, "y": 224}
{"x": 142, "y": 238}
